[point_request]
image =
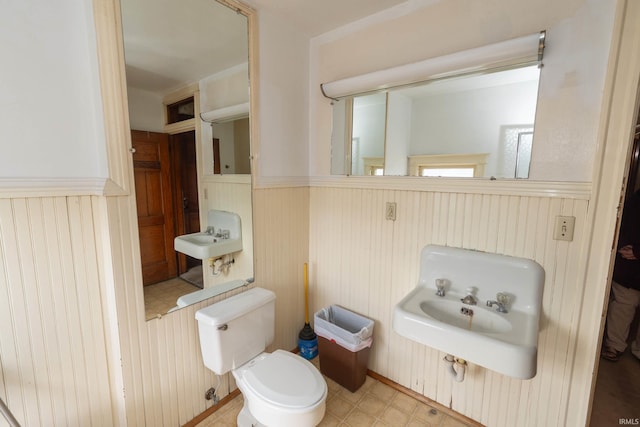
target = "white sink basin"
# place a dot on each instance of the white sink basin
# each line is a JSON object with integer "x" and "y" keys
{"x": 204, "y": 245}
{"x": 503, "y": 342}
{"x": 481, "y": 319}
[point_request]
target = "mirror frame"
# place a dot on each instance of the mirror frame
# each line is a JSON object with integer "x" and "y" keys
{"x": 113, "y": 87}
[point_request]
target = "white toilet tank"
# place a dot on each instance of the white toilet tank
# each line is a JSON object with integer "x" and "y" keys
{"x": 236, "y": 329}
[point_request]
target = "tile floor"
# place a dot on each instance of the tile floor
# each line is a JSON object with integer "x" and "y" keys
{"x": 161, "y": 297}
{"x": 374, "y": 404}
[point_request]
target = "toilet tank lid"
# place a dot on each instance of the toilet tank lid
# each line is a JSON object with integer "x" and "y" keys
{"x": 238, "y": 305}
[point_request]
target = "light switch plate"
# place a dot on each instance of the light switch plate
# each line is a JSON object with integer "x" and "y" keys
{"x": 564, "y": 228}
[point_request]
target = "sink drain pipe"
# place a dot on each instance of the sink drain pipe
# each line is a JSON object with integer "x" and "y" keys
{"x": 458, "y": 371}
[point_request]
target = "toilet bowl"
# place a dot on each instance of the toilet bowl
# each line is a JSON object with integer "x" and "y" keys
{"x": 280, "y": 389}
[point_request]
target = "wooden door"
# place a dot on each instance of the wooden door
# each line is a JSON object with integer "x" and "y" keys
{"x": 152, "y": 172}
{"x": 185, "y": 184}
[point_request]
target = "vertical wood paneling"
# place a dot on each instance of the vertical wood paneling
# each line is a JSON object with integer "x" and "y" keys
{"x": 53, "y": 346}
{"x": 382, "y": 257}
{"x": 282, "y": 248}
{"x": 54, "y": 354}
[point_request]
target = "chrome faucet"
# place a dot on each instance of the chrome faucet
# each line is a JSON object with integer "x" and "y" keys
{"x": 470, "y": 299}
{"x": 210, "y": 230}
{"x": 440, "y": 284}
{"x": 502, "y": 300}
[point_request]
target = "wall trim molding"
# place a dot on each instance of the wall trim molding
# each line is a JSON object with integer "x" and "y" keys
{"x": 227, "y": 179}
{"x": 567, "y": 190}
{"x": 53, "y": 187}
{"x": 263, "y": 182}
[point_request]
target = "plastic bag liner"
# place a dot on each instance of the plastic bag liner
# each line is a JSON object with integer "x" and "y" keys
{"x": 345, "y": 328}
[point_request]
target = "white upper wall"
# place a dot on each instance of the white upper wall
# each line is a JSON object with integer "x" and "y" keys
{"x": 571, "y": 83}
{"x": 51, "y": 123}
{"x": 284, "y": 100}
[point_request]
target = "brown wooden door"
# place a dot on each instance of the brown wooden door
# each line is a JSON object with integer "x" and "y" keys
{"x": 185, "y": 184}
{"x": 152, "y": 172}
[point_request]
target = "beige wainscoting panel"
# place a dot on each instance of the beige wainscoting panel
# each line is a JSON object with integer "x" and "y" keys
{"x": 281, "y": 224}
{"x": 367, "y": 264}
{"x": 53, "y": 347}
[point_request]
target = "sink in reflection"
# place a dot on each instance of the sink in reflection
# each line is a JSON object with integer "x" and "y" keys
{"x": 204, "y": 246}
{"x": 503, "y": 342}
{"x": 224, "y": 236}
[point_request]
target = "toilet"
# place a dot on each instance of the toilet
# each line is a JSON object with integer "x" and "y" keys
{"x": 280, "y": 389}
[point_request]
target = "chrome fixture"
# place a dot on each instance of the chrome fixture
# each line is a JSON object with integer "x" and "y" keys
{"x": 210, "y": 230}
{"x": 470, "y": 299}
{"x": 502, "y": 300}
{"x": 440, "y": 284}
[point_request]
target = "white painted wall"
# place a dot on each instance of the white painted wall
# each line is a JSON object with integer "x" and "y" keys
{"x": 283, "y": 99}
{"x": 51, "y": 122}
{"x": 399, "y": 132}
{"x": 571, "y": 83}
{"x": 145, "y": 110}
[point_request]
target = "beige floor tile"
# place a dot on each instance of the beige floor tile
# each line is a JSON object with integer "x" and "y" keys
{"x": 372, "y": 405}
{"x": 395, "y": 416}
{"x": 382, "y": 391}
{"x": 427, "y": 413}
{"x": 405, "y": 403}
{"x": 329, "y": 421}
{"x": 353, "y": 397}
{"x": 357, "y": 418}
{"x": 339, "y": 407}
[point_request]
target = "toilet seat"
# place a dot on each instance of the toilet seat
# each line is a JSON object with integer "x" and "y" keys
{"x": 283, "y": 379}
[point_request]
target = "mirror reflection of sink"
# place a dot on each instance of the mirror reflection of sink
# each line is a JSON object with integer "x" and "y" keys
{"x": 503, "y": 342}
{"x": 210, "y": 245}
{"x": 204, "y": 246}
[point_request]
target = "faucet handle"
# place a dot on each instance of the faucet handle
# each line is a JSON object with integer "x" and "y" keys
{"x": 503, "y": 298}
{"x": 440, "y": 285}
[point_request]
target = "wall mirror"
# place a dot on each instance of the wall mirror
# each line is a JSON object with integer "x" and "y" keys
{"x": 466, "y": 114}
{"x": 478, "y": 125}
{"x": 188, "y": 96}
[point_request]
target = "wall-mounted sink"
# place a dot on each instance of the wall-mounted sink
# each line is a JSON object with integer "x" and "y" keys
{"x": 503, "y": 342}
{"x": 224, "y": 236}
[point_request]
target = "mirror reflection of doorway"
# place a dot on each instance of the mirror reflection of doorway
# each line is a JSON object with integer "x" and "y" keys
{"x": 185, "y": 187}
{"x": 167, "y": 202}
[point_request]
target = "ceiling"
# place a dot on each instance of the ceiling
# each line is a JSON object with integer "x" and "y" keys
{"x": 315, "y": 17}
{"x": 169, "y": 44}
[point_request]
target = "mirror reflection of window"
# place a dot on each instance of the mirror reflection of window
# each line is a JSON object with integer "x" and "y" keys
{"x": 490, "y": 114}
{"x": 447, "y": 172}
